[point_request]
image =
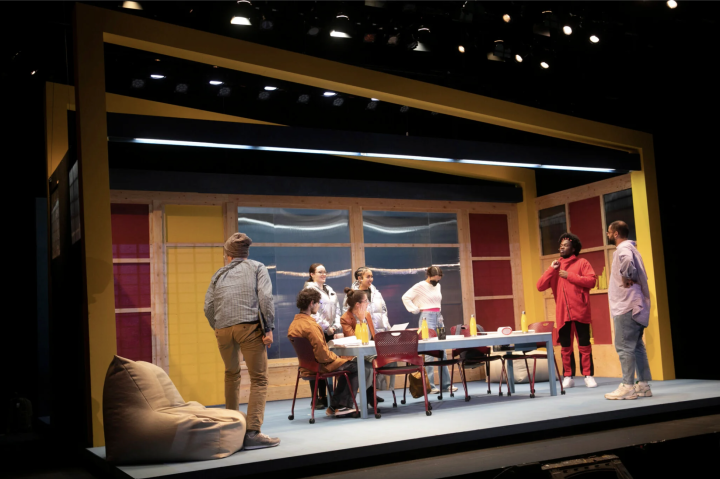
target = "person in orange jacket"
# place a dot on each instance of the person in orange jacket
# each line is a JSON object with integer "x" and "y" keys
{"x": 570, "y": 279}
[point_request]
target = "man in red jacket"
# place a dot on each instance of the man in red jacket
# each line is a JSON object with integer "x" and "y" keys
{"x": 571, "y": 278}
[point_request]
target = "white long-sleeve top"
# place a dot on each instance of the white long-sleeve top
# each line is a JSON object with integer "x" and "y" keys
{"x": 328, "y": 314}
{"x": 421, "y": 296}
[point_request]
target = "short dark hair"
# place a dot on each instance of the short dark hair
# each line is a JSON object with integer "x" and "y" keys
{"x": 576, "y": 244}
{"x": 307, "y": 296}
{"x": 433, "y": 271}
{"x": 621, "y": 228}
{"x": 354, "y": 296}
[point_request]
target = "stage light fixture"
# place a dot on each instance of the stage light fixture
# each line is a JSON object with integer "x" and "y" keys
{"x": 461, "y": 49}
{"x": 672, "y": 4}
{"x": 594, "y": 39}
{"x": 337, "y": 34}
{"x": 304, "y": 99}
{"x": 138, "y": 83}
{"x": 157, "y": 76}
{"x": 519, "y": 58}
{"x": 506, "y": 18}
{"x": 374, "y": 99}
{"x": 567, "y": 30}
{"x": 132, "y": 5}
{"x": 369, "y": 38}
{"x": 224, "y": 91}
{"x": 270, "y": 88}
{"x": 266, "y": 24}
{"x": 263, "y": 95}
{"x": 313, "y": 31}
{"x": 338, "y": 102}
{"x": 404, "y": 109}
{"x": 33, "y": 72}
{"x": 372, "y": 105}
{"x": 216, "y": 82}
{"x": 243, "y": 13}
{"x": 181, "y": 88}
{"x": 545, "y": 65}
{"x": 501, "y": 163}
{"x": 329, "y": 93}
{"x": 341, "y": 27}
{"x": 392, "y": 40}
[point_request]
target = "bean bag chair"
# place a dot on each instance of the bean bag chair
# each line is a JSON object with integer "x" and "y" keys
{"x": 146, "y": 419}
{"x": 520, "y": 372}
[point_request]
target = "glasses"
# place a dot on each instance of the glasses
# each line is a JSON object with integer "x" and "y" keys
{"x": 361, "y": 302}
{"x": 322, "y": 273}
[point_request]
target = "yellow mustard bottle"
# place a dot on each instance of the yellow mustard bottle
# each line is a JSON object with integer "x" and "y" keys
{"x": 523, "y": 323}
{"x": 424, "y": 330}
{"x": 365, "y": 333}
{"x": 473, "y": 325}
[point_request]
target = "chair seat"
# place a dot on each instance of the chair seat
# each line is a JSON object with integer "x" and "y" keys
{"x": 323, "y": 375}
{"x": 398, "y": 369}
{"x": 442, "y": 362}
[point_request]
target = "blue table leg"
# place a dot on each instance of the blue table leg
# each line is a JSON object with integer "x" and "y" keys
{"x": 551, "y": 367}
{"x": 511, "y": 375}
{"x": 363, "y": 386}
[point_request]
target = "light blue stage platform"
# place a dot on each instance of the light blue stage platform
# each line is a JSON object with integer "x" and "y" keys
{"x": 408, "y": 428}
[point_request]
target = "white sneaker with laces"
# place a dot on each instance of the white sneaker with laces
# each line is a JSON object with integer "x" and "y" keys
{"x": 451, "y": 388}
{"x": 590, "y": 382}
{"x": 624, "y": 391}
{"x": 642, "y": 389}
{"x": 434, "y": 390}
{"x": 568, "y": 382}
{"x": 343, "y": 411}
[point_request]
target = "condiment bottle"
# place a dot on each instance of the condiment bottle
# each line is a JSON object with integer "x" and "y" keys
{"x": 473, "y": 325}
{"x": 365, "y": 332}
{"x": 523, "y": 323}
{"x": 424, "y": 330}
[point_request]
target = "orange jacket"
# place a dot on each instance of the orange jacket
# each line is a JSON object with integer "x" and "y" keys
{"x": 304, "y": 326}
{"x": 572, "y": 295}
{"x": 347, "y": 320}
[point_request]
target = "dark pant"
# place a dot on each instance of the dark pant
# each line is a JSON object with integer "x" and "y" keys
{"x": 343, "y": 395}
{"x": 582, "y": 331}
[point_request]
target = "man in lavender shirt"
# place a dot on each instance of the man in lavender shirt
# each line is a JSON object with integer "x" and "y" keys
{"x": 629, "y": 298}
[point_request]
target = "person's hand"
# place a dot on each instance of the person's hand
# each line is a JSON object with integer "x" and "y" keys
{"x": 268, "y": 339}
{"x": 555, "y": 264}
{"x": 563, "y": 273}
{"x": 331, "y": 330}
{"x": 627, "y": 282}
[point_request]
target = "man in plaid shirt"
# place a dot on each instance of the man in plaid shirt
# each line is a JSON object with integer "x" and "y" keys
{"x": 239, "y": 307}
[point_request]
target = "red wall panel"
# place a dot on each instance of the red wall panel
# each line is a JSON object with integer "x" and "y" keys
{"x": 596, "y": 260}
{"x": 586, "y": 221}
{"x": 132, "y": 285}
{"x": 492, "y": 314}
{"x": 489, "y": 235}
{"x": 130, "y": 231}
{"x": 600, "y": 311}
{"x": 134, "y": 340}
{"x": 492, "y": 278}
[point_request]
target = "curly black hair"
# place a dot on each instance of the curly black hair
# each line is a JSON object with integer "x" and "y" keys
{"x": 307, "y": 296}
{"x": 576, "y": 244}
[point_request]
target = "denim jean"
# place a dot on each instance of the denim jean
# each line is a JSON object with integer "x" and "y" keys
{"x": 631, "y": 348}
{"x": 432, "y": 321}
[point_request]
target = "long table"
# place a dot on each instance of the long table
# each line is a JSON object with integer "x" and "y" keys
{"x": 492, "y": 339}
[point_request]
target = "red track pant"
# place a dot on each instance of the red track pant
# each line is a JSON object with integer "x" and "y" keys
{"x": 582, "y": 332}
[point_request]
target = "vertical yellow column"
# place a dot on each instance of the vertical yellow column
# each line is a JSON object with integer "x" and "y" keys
{"x": 529, "y": 251}
{"x": 649, "y": 241}
{"x": 95, "y": 207}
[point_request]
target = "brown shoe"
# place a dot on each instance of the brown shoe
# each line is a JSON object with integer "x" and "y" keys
{"x": 259, "y": 441}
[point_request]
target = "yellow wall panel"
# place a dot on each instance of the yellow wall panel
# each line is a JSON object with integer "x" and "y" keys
{"x": 193, "y": 224}
{"x": 196, "y": 367}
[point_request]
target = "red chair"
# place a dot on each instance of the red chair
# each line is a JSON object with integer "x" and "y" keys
{"x": 392, "y": 347}
{"x": 306, "y": 359}
{"x": 485, "y": 359}
{"x": 439, "y": 362}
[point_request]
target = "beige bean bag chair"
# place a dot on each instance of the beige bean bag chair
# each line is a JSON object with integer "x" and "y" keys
{"x": 520, "y": 372}
{"x": 147, "y": 421}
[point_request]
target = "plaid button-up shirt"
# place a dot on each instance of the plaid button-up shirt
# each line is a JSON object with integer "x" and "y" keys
{"x": 237, "y": 293}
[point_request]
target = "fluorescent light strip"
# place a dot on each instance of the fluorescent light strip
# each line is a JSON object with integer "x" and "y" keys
{"x": 154, "y": 141}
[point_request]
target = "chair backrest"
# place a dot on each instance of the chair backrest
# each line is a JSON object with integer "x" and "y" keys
{"x": 545, "y": 327}
{"x": 465, "y": 327}
{"x": 466, "y": 332}
{"x": 305, "y": 354}
{"x": 392, "y": 346}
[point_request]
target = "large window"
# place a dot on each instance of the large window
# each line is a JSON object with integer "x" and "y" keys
{"x": 553, "y": 223}
{"x": 619, "y": 207}
{"x": 288, "y": 241}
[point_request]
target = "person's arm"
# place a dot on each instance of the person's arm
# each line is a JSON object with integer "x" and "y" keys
{"x": 265, "y": 297}
{"x": 545, "y": 280}
{"x": 408, "y": 298}
{"x": 322, "y": 354}
{"x": 586, "y": 278}
{"x": 385, "y": 320}
{"x": 210, "y": 304}
{"x": 627, "y": 269}
{"x": 347, "y": 327}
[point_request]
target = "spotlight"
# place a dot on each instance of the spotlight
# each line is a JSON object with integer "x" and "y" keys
{"x": 392, "y": 40}
{"x": 372, "y": 105}
{"x": 304, "y": 99}
{"x": 224, "y": 91}
{"x": 266, "y": 24}
{"x": 369, "y": 38}
{"x": 216, "y": 82}
{"x": 567, "y": 30}
{"x": 337, "y": 34}
{"x": 341, "y": 27}
{"x": 138, "y": 83}
{"x": 374, "y": 99}
{"x": 33, "y": 72}
{"x": 243, "y": 13}
{"x": 132, "y": 5}
{"x": 263, "y": 95}
{"x": 313, "y": 31}
{"x": 181, "y": 88}
{"x": 506, "y": 18}
{"x": 594, "y": 39}
{"x": 329, "y": 93}
{"x": 270, "y": 88}
{"x": 502, "y": 51}
{"x": 338, "y": 102}
{"x": 157, "y": 76}
{"x": 671, "y": 3}
{"x": 518, "y": 58}
{"x": 545, "y": 65}
{"x": 404, "y": 109}
{"x": 461, "y": 49}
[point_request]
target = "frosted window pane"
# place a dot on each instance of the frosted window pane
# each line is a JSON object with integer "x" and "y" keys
{"x": 407, "y": 227}
{"x": 553, "y": 223}
{"x": 284, "y": 225}
{"x": 619, "y": 207}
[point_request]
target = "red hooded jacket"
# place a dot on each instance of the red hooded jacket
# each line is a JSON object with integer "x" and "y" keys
{"x": 572, "y": 295}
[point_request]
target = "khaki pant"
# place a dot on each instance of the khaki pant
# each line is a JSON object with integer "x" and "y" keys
{"x": 245, "y": 338}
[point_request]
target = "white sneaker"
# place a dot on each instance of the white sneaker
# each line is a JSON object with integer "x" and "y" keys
{"x": 590, "y": 382}
{"x": 642, "y": 389}
{"x": 568, "y": 382}
{"x": 434, "y": 390}
{"x": 343, "y": 411}
{"x": 451, "y": 389}
{"x": 622, "y": 392}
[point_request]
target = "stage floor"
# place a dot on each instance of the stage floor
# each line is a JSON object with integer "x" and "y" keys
{"x": 453, "y": 421}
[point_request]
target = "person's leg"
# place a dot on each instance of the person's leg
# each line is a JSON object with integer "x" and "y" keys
{"x": 627, "y": 334}
{"x": 342, "y": 396}
{"x": 568, "y": 359}
{"x": 641, "y": 360}
{"x": 431, "y": 318}
{"x": 249, "y": 336}
{"x": 585, "y": 349}
{"x": 230, "y": 353}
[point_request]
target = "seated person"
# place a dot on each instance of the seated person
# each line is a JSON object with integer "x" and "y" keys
{"x": 304, "y": 326}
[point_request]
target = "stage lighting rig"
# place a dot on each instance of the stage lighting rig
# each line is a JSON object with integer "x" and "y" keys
{"x": 243, "y": 14}
{"x": 341, "y": 27}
